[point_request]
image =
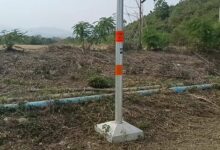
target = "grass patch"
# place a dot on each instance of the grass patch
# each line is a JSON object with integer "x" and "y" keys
{"x": 101, "y": 82}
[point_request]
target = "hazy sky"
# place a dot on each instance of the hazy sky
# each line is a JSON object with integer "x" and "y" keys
{"x": 60, "y": 13}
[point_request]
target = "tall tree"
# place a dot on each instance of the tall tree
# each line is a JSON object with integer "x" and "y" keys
{"x": 140, "y": 17}
{"x": 162, "y": 9}
{"x": 82, "y": 31}
{"x": 104, "y": 27}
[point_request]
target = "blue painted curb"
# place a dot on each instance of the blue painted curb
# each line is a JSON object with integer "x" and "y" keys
{"x": 77, "y": 100}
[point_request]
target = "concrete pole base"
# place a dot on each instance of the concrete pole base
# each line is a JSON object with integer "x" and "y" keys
{"x": 119, "y": 133}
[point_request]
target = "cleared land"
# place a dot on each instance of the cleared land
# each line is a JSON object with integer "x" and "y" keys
{"x": 186, "y": 121}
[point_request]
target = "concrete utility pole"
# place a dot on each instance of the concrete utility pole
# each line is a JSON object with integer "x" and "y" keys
{"x": 119, "y": 131}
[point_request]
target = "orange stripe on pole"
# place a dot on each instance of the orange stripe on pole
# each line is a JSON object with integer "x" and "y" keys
{"x": 119, "y": 37}
{"x": 118, "y": 70}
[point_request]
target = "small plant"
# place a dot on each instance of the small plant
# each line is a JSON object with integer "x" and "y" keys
{"x": 10, "y": 38}
{"x": 101, "y": 82}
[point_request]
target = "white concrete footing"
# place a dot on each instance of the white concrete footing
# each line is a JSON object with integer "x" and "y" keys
{"x": 118, "y": 133}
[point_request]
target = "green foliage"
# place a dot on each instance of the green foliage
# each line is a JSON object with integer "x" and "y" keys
{"x": 131, "y": 36}
{"x": 104, "y": 28}
{"x": 155, "y": 40}
{"x": 191, "y": 23}
{"x": 101, "y": 31}
{"x": 39, "y": 40}
{"x": 101, "y": 82}
{"x": 83, "y": 31}
{"x": 162, "y": 9}
{"x": 10, "y": 38}
{"x": 201, "y": 33}
{"x": 180, "y": 36}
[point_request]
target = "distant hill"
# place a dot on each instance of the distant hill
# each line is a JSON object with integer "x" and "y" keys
{"x": 49, "y": 32}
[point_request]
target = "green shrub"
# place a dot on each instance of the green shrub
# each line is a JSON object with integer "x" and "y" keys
{"x": 201, "y": 34}
{"x": 204, "y": 34}
{"x": 217, "y": 36}
{"x": 179, "y": 36}
{"x": 10, "y": 38}
{"x": 101, "y": 82}
{"x": 155, "y": 40}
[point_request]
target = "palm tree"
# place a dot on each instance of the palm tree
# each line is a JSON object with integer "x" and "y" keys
{"x": 104, "y": 27}
{"x": 82, "y": 31}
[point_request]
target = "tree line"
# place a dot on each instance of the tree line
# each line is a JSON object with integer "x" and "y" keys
{"x": 98, "y": 32}
{"x": 9, "y": 38}
{"x": 101, "y": 31}
{"x": 191, "y": 23}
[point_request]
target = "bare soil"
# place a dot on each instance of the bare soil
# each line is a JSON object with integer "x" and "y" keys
{"x": 184, "y": 121}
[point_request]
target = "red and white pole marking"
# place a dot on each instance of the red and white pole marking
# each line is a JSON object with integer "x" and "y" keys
{"x": 119, "y": 130}
{"x": 119, "y": 39}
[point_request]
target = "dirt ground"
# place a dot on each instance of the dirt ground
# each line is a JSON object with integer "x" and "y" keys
{"x": 43, "y": 72}
{"x": 169, "y": 122}
{"x": 184, "y": 121}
